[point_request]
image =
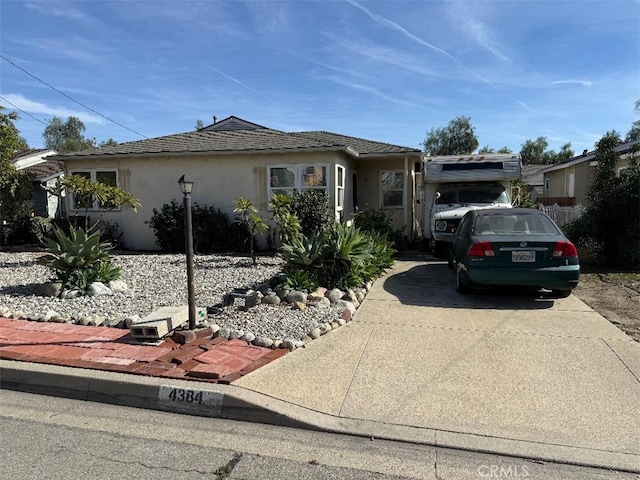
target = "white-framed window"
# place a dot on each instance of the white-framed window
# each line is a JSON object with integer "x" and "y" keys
{"x": 340, "y": 173}
{"x": 284, "y": 179}
{"x": 106, "y": 176}
{"x": 392, "y": 188}
{"x": 547, "y": 183}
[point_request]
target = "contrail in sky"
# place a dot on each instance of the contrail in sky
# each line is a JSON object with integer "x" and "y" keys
{"x": 388, "y": 23}
{"x": 237, "y": 81}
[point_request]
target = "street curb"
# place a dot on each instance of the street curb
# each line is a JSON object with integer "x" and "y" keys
{"x": 238, "y": 403}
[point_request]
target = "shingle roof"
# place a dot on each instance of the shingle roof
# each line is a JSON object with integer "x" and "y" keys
{"x": 253, "y": 140}
{"x": 622, "y": 149}
{"x": 360, "y": 145}
{"x": 30, "y": 153}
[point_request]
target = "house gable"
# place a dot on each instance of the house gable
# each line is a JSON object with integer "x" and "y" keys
{"x": 231, "y": 123}
{"x": 32, "y": 157}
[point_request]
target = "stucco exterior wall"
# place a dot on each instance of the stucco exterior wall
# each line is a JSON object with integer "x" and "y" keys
{"x": 218, "y": 181}
{"x": 369, "y": 191}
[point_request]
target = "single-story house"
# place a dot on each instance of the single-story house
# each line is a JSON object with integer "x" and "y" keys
{"x": 568, "y": 182}
{"x": 46, "y": 172}
{"x": 235, "y": 158}
{"x": 534, "y": 179}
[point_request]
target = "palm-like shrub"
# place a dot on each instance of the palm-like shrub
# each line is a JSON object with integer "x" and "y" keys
{"x": 288, "y": 224}
{"x": 78, "y": 259}
{"x": 246, "y": 213}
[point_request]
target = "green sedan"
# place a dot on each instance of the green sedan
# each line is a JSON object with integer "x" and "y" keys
{"x": 518, "y": 247}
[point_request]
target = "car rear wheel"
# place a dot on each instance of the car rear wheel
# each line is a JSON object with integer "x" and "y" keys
{"x": 461, "y": 286}
{"x": 561, "y": 293}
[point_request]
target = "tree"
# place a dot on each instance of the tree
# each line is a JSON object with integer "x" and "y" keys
{"x": 534, "y": 152}
{"x": 488, "y": 149}
{"x": 15, "y": 186}
{"x": 66, "y": 136}
{"x": 110, "y": 142}
{"x": 10, "y": 140}
{"x": 612, "y": 219}
{"x": 86, "y": 191}
{"x": 199, "y": 125}
{"x": 634, "y": 131}
{"x": 458, "y": 137}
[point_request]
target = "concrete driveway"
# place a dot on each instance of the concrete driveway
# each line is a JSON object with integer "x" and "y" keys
{"x": 504, "y": 372}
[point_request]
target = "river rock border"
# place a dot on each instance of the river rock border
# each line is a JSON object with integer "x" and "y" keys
{"x": 347, "y": 301}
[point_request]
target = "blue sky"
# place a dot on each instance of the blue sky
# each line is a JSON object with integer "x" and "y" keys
{"x": 382, "y": 70}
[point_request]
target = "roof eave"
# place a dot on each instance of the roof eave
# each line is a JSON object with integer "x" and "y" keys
{"x": 102, "y": 156}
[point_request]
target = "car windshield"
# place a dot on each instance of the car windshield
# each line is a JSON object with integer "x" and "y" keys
{"x": 472, "y": 194}
{"x": 514, "y": 224}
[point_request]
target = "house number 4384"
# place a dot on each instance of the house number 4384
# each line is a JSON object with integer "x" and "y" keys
{"x": 184, "y": 395}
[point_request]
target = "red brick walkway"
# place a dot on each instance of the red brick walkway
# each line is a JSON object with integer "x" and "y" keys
{"x": 101, "y": 348}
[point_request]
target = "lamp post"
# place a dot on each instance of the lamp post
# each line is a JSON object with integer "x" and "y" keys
{"x": 186, "y": 186}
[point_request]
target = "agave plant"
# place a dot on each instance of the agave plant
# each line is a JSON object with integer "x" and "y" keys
{"x": 340, "y": 256}
{"x": 79, "y": 259}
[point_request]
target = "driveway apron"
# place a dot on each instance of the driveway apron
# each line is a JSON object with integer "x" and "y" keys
{"x": 515, "y": 366}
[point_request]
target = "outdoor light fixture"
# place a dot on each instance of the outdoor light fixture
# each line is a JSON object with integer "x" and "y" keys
{"x": 186, "y": 185}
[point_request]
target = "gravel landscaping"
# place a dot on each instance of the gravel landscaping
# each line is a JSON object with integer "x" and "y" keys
{"x": 157, "y": 280}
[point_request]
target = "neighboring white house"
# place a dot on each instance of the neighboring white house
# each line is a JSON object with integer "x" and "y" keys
{"x": 46, "y": 172}
{"x": 235, "y": 158}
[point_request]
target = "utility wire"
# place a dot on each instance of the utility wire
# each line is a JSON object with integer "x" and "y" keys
{"x": 26, "y": 113}
{"x": 72, "y": 99}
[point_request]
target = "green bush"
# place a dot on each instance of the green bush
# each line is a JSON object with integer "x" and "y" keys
{"x": 338, "y": 256}
{"x": 312, "y": 209}
{"x": 109, "y": 232}
{"x": 212, "y": 229}
{"x": 79, "y": 259}
{"x": 41, "y": 227}
{"x": 378, "y": 221}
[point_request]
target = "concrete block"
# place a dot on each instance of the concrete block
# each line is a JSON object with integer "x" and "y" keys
{"x": 250, "y": 298}
{"x": 159, "y": 323}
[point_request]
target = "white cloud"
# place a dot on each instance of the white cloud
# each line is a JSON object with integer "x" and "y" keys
{"x": 40, "y": 108}
{"x": 479, "y": 32}
{"x": 90, "y": 52}
{"x": 59, "y": 9}
{"x": 584, "y": 83}
{"x": 387, "y": 55}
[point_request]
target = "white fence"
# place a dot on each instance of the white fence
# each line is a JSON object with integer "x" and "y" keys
{"x": 562, "y": 215}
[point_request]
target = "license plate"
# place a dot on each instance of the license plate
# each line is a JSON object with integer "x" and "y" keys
{"x": 523, "y": 257}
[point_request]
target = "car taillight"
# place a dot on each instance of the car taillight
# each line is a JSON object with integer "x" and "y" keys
{"x": 481, "y": 249}
{"x": 565, "y": 249}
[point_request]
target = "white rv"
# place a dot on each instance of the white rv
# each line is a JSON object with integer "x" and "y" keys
{"x": 455, "y": 184}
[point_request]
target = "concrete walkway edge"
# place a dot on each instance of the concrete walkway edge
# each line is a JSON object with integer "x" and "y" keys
{"x": 238, "y": 403}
